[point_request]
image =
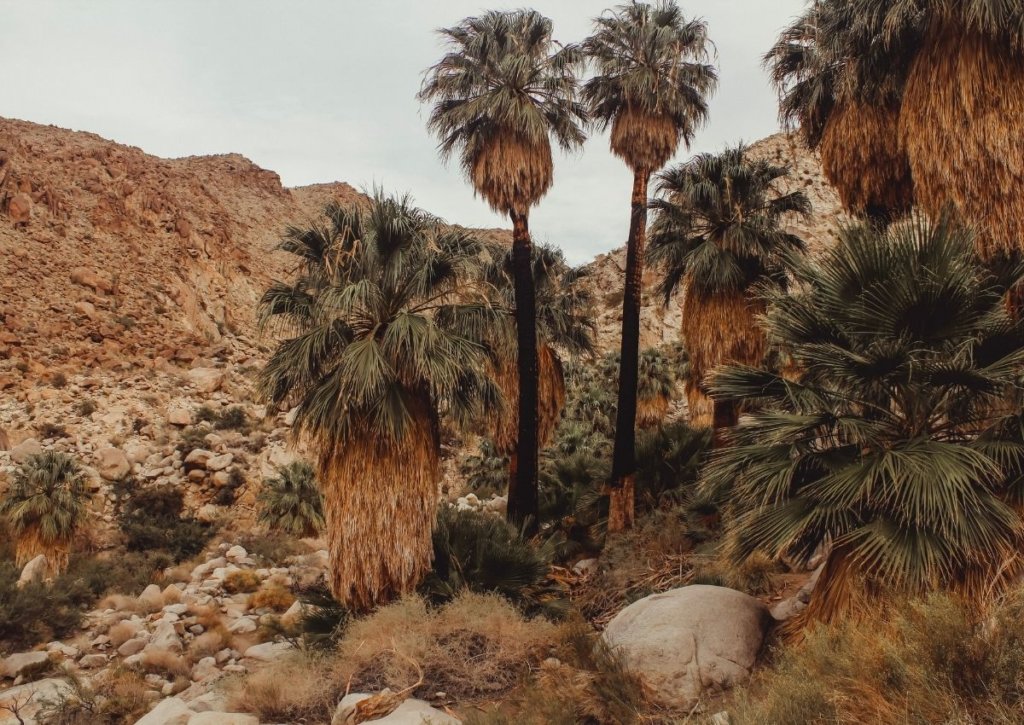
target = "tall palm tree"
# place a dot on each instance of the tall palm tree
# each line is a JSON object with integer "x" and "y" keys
{"x": 505, "y": 90}
{"x": 651, "y": 86}
{"x": 718, "y": 234}
{"x": 892, "y": 449}
{"x": 46, "y": 506}
{"x": 381, "y": 337}
{"x": 836, "y": 88}
{"x": 564, "y": 326}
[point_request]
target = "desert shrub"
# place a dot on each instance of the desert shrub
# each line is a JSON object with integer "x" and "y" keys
{"x": 291, "y": 502}
{"x": 299, "y": 688}
{"x": 234, "y": 418}
{"x": 485, "y": 472}
{"x": 483, "y": 553}
{"x": 227, "y": 493}
{"x": 324, "y": 619}
{"x": 117, "y": 697}
{"x": 59, "y": 380}
{"x": 273, "y": 547}
{"x": 164, "y": 662}
{"x": 38, "y": 612}
{"x": 940, "y": 659}
{"x": 86, "y": 407}
{"x": 668, "y": 460}
{"x": 191, "y": 438}
{"x": 153, "y": 519}
{"x": 242, "y": 580}
{"x": 475, "y": 647}
{"x": 206, "y": 414}
{"x": 124, "y": 572}
{"x": 51, "y": 430}
{"x": 274, "y": 597}
{"x": 45, "y": 506}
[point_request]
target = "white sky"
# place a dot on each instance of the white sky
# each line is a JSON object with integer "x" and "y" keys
{"x": 322, "y": 90}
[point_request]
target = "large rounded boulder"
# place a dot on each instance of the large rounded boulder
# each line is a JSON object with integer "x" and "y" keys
{"x": 689, "y": 641}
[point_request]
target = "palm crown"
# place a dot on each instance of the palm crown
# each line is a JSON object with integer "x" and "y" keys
{"x": 45, "y": 505}
{"x": 890, "y": 446}
{"x": 652, "y": 80}
{"x": 501, "y": 93}
{"x": 290, "y": 501}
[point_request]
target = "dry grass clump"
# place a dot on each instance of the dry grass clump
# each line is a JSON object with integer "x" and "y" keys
{"x": 242, "y": 580}
{"x": 117, "y": 695}
{"x": 758, "y": 574}
{"x": 122, "y": 632}
{"x": 300, "y": 688}
{"x": 478, "y": 646}
{"x": 274, "y": 597}
{"x": 164, "y": 662}
{"x": 208, "y": 643}
{"x": 934, "y": 660}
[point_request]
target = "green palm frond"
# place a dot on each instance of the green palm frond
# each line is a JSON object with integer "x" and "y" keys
{"x": 290, "y": 501}
{"x": 899, "y": 443}
{"x": 47, "y": 496}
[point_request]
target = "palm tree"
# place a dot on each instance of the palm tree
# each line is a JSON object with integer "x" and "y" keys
{"x": 503, "y": 91}
{"x": 651, "y": 86}
{"x": 659, "y": 373}
{"x": 718, "y": 235}
{"x": 892, "y": 449}
{"x": 837, "y": 88}
{"x": 45, "y": 506}
{"x": 290, "y": 501}
{"x": 381, "y": 337}
{"x": 564, "y": 325}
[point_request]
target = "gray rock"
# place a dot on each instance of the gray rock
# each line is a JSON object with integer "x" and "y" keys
{"x": 30, "y": 698}
{"x": 28, "y": 447}
{"x": 179, "y": 415}
{"x": 689, "y": 641}
{"x": 132, "y": 646}
{"x": 204, "y": 669}
{"x": 198, "y": 457}
{"x": 219, "y": 463}
{"x": 94, "y": 661}
{"x": 268, "y": 651}
{"x": 172, "y": 711}
{"x": 34, "y": 571}
{"x": 165, "y": 637}
{"x": 18, "y": 663}
{"x": 410, "y": 712}
{"x": 223, "y": 718}
{"x": 236, "y": 553}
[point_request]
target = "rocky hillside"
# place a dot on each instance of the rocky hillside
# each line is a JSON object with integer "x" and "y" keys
{"x": 659, "y": 323}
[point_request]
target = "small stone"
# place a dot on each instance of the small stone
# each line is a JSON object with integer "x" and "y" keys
{"x": 268, "y": 651}
{"x": 179, "y": 415}
{"x": 93, "y": 661}
{"x": 172, "y": 711}
{"x": 244, "y": 625}
{"x": 132, "y": 646}
{"x": 206, "y": 380}
{"x": 204, "y": 669}
{"x": 219, "y": 463}
{"x": 236, "y": 553}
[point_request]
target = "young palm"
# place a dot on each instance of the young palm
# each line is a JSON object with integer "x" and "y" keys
{"x": 501, "y": 94}
{"x": 718, "y": 234}
{"x": 290, "y": 501}
{"x": 837, "y": 88}
{"x": 381, "y": 337}
{"x": 651, "y": 86}
{"x": 890, "y": 449}
{"x": 46, "y": 506}
{"x": 564, "y": 326}
{"x": 660, "y": 372}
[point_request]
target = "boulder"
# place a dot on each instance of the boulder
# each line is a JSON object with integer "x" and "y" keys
{"x": 690, "y": 641}
{"x": 112, "y": 464}
{"x": 223, "y": 718}
{"x": 171, "y": 711}
{"x": 219, "y": 463}
{"x": 206, "y": 380}
{"x": 165, "y": 638}
{"x": 410, "y": 712}
{"x": 236, "y": 553}
{"x": 28, "y": 447}
{"x": 87, "y": 278}
{"x": 268, "y": 651}
{"x": 152, "y": 598}
{"x": 179, "y": 415}
{"x": 93, "y": 661}
{"x": 35, "y": 571}
{"x": 19, "y": 208}
{"x": 132, "y": 646}
{"x": 29, "y": 698}
{"x": 17, "y": 664}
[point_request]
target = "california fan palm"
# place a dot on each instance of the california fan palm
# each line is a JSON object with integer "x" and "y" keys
{"x": 45, "y": 506}
{"x": 898, "y": 449}
{"x": 503, "y": 92}
{"x": 381, "y": 337}
{"x": 564, "y": 326}
{"x": 718, "y": 234}
{"x": 290, "y": 501}
{"x": 651, "y": 86}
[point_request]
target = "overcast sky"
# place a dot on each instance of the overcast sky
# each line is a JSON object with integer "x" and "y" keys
{"x": 324, "y": 90}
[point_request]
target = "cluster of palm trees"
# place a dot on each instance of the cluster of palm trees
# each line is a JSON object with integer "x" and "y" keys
{"x": 880, "y": 384}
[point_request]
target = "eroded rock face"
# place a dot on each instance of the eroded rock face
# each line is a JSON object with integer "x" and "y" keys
{"x": 687, "y": 641}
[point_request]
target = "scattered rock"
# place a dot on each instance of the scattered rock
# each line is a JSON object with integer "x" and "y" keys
{"x": 268, "y": 651}
{"x": 28, "y": 447}
{"x": 206, "y": 380}
{"x": 19, "y": 208}
{"x": 171, "y": 711}
{"x": 17, "y": 664}
{"x": 410, "y": 712}
{"x": 35, "y": 571}
{"x": 223, "y": 718}
{"x": 179, "y": 415}
{"x": 30, "y": 698}
{"x": 112, "y": 464}
{"x": 689, "y": 641}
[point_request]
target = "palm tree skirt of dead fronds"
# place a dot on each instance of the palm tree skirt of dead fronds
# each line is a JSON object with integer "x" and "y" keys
{"x": 960, "y": 123}
{"x": 509, "y": 171}
{"x": 380, "y": 502}
{"x": 645, "y": 141}
{"x": 550, "y": 401}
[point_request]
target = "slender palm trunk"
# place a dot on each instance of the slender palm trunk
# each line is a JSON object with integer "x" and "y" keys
{"x": 621, "y": 488}
{"x": 725, "y": 417}
{"x": 522, "y": 492}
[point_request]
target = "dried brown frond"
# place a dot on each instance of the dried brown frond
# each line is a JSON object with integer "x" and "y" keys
{"x": 644, "y": 141}
{"x": 717, "y": 330}
{"x": 863, "y": 157}
{"x": 512, "y": 174}
{"x": 550, "y": 401}
{"x": 960, "y": 125}
{"x": 380, "y": 501}
{"x": 32, "y": 543}
{"x": 651, "y": 411}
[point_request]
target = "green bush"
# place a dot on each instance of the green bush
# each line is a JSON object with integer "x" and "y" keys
{"x": 291, "y": 502}
{"x": 483, "y": 553}
{"x": 668, "y": 460}
{"x": 152, "y": 519}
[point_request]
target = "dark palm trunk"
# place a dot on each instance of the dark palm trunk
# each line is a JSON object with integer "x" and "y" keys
{"x": 621, "y": 493}
{"x": 522, "y": 490}
{"x": 725, "y": 417}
